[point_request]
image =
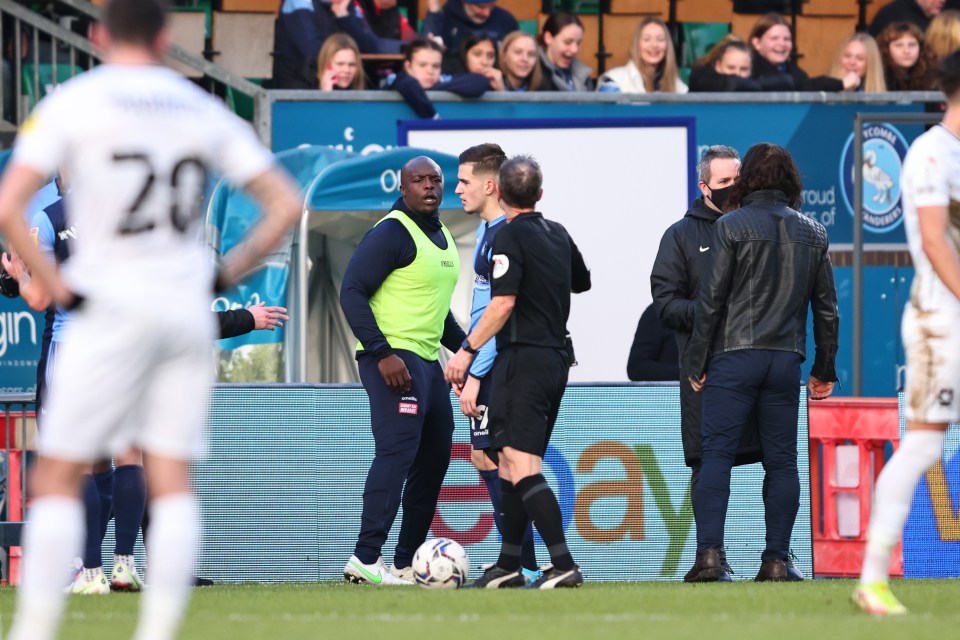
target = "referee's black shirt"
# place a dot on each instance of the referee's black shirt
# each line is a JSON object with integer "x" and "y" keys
{"x": 537, "y": 261}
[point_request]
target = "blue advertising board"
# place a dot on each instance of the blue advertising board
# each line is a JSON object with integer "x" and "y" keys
{"x": 818, "y": 135}
{"x": 21, "y": 332}
{"x": 931, "y": 537}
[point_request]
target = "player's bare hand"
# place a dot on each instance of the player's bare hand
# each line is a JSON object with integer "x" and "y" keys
{"x": 468, "y": 397}
{"x": 13, "y": 265}
{"x": 265, "y": 317}
{"x": 697, "y": 383}
{"x": 457, "y": 368}
{"x": 395, "y": 374}
{"x": 818, "y": 389}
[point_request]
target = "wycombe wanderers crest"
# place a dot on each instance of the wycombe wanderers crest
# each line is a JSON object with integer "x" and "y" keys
{"x": 884, "y": 148}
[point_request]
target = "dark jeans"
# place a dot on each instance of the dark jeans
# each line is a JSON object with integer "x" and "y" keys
{"x": 738, "y": 382}
{"x": 413, "y": 433}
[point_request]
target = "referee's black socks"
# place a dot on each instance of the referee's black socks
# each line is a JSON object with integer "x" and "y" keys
{"x": 542, "y": 507}
{"x": 513, "y": 524}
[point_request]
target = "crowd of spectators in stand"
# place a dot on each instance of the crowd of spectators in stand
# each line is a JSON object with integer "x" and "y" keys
{"x": 321, "y": 44}
{"x": 474, "y": 46}
{"x": 328, "y": 45}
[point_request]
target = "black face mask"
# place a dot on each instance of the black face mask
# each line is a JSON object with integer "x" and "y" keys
{"x": 719, "y": 196}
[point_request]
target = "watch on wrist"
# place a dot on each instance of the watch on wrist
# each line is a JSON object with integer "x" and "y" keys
{"x": 465, "y": 345}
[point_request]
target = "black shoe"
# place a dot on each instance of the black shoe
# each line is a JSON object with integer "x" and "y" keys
{"x": 497, "y": 578}
{"x": 202, "y": 582}
{"x": 707, "y": 568}
{"x": 555, "y": 579}
{"x": 796, "y": 574}
{"x": 726, "y": 566}
{"x": 776, "y": 570}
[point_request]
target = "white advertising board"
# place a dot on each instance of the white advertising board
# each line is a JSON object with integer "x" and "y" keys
{"x": 616, "y": 185}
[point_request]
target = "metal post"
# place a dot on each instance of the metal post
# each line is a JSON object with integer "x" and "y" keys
{"x": 37, "y": 88}
{"x": 296, "y": 333}
{"x": 858, "y": 255}
{"x": 860, "y": 119}
{"x": 262, "y": 116}
{"x": 17, "y": 73}
{"x": 3, "y": 114}
{"x": 862, "y": 15}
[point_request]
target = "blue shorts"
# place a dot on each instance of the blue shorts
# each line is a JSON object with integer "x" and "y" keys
{"x": 479, "y": 433}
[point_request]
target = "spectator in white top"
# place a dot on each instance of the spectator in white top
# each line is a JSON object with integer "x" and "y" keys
{"x": 653, "y": 63}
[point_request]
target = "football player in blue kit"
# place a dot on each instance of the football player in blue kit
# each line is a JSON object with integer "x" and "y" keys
{"x": 477, "y": 188}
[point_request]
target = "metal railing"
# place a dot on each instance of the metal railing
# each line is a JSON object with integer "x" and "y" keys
{"x": 30, "y": 28}
{"x": 27, "y": 29}
{"x": 14, "y": 406}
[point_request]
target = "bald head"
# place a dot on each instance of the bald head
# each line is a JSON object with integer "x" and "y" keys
{"x": 520, "y": 182}
{"x": 421, "y": 185}
{"x": 420, "y": 164}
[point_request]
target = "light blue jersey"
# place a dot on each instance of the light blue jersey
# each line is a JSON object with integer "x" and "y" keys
{"x": 47, "y": 195}
{"x": 48, "y": 227}
{"x": 482, "y": 255}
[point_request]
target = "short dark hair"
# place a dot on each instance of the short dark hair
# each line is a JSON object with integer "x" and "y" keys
{"x": 766, "y": 22}
{"x": 948, "y": 74}
{"x": 556, "y": 22}
{"x": 418, "y": 45}
{"x": 767, "y": 166}
{"x": 135, "y": 21}
{"x": 712, "y": 153}
{"x": 520, "y": 182}
{"x": 473, "y": 40}
{"x": 487, "y": 158}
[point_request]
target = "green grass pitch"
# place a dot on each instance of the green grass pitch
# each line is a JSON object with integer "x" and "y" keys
{"x": 812, "y": 610}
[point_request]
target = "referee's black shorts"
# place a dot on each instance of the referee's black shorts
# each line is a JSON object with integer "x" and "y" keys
{"x": 527, "y": 385}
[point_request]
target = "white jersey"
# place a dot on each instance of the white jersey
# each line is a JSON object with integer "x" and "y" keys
{"x": 136, "y": 144}
{"x": 931, "y": 178}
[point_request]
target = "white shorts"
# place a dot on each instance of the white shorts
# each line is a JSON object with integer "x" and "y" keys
{"x": 130, "y": 377}
{"x": 931, "y": 340}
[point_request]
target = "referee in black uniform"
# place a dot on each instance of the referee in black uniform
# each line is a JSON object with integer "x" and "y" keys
{"x": 535, "y": 266}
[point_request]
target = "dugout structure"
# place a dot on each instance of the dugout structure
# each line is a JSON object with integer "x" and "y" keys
{"x": 343, "y": 201}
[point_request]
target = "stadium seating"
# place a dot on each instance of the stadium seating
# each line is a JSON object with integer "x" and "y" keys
{"x": 34, "y": 88}
{"x": 699, "y": 37}
{"x": 189, "y": 30}
{"x": 242, "y": 43}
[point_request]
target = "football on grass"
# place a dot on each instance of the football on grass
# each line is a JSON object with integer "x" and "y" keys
{"x": 441, "y": 564}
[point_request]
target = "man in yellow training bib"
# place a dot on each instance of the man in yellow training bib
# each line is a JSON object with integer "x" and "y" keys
{"x": 396, "y": 297}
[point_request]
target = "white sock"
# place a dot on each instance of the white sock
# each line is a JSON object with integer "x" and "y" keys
{"x": 52, "y": 537}
{"x": 172, "y": 553}
{"x": 919, "y": 451}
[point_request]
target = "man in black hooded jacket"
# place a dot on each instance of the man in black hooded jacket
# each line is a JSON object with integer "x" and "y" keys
{"x": 681, "y": 263}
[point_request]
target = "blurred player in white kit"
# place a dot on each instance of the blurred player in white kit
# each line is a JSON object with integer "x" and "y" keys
{"x": 931, "y": 337}
{"x": 139, "y": 141}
